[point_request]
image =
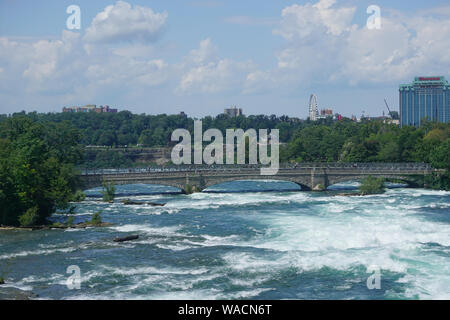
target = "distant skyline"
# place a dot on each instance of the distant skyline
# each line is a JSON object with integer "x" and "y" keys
{"x": 202, "y": 56}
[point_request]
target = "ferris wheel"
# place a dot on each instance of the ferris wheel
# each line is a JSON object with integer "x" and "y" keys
{"x": 313, "y": 111}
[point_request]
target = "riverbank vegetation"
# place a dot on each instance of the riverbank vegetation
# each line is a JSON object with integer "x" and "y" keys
{"x": 95, "y": 221}
{"x": 37, "y": 169}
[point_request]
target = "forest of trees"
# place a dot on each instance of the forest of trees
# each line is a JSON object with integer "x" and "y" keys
{"x": 371, "y": 141}
{"x": 322, "y": 141}
{"x": 127, "y": 129}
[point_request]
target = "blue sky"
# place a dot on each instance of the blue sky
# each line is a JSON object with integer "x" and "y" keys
{"x": 201, "y": 56}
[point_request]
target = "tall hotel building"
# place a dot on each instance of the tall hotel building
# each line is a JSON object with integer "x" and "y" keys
{"x": 425, "y": 98}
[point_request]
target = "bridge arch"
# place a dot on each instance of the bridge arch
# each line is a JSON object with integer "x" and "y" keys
{"x": 210, "y": 184}
{"x": 342, "y": 179}
{"x": 99, "y": 184}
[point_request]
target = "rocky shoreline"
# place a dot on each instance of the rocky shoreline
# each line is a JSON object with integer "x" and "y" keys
{"x": 82, "y": 225}
{"x": 12, "y": 293}
{"x": 358, "y": 194}
{"x": 350, "y": 194}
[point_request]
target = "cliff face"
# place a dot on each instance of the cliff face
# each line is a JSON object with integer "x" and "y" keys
{"x": 152, "y": 155}
{"x": 116, "y": 156}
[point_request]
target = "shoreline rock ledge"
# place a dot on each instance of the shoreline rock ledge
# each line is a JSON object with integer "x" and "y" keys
{"x": 12, "y": 293}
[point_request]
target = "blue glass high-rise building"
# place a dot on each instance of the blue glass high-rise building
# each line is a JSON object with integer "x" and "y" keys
{"x": 425, "y": 98}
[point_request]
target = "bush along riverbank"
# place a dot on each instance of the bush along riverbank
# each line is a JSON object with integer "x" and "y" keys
{"x": 96, "y": 221}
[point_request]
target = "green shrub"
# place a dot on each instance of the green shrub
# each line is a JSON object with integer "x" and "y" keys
{"x": 371, "y": 185}
{"x": 189, "y": 189}
{"x": 57, "y": 225}
{"x": 29, "y": 218}
{"x": 108, "y": 191}
{"x": 96, "y": 218}
{"x": 78, "y": 196}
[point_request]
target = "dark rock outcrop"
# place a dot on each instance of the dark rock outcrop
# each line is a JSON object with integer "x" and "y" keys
{"x": 128, "y": 238}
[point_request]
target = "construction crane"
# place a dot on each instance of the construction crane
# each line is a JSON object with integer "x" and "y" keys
{"x": 390, "y": 114}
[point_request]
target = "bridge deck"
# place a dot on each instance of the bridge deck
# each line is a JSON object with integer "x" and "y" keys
{"x": 309, "y": 177}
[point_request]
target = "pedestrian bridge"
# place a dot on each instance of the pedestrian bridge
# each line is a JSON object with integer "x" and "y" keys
{"x": 308, "y": 176}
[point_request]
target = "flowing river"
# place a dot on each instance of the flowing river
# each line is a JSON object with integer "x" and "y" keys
{"x": 262, "y": 245}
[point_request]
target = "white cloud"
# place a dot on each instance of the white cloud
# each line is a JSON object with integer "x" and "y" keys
{"x": 323, "y": 45}
{"x": 376, "y": 55}
{"x": 306, "y": 22}
{"x": 203, "y": 71}
{"x": 258, "y": 82}
{"x": 121, "y": 22}
{"x": 41, "y": 66}
{"x": 207, "y": 52}
{"x": 127, "y": 73}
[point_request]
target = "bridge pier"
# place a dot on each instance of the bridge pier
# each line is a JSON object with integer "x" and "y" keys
{"x": 319, "y": 179}
{"x": 195, "y": 182}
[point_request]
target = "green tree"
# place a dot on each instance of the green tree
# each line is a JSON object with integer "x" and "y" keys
{"x": 146, "y": 138}
{"x": 389, "y": 152}
{"x": 96, "y": 219}
{"x": 440, "y": 158}
{"x": 37, "y": 173}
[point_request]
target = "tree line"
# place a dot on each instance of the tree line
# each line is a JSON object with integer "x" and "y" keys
{"x": 127, "y": 129}
{"x": 324, "y": 140}
{"x": 370, "y": 141}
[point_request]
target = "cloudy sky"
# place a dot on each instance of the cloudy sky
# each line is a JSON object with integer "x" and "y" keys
{"x": 200, "y": 56}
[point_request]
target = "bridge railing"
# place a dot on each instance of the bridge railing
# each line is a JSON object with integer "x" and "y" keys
{"x": 242, "y": 168}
